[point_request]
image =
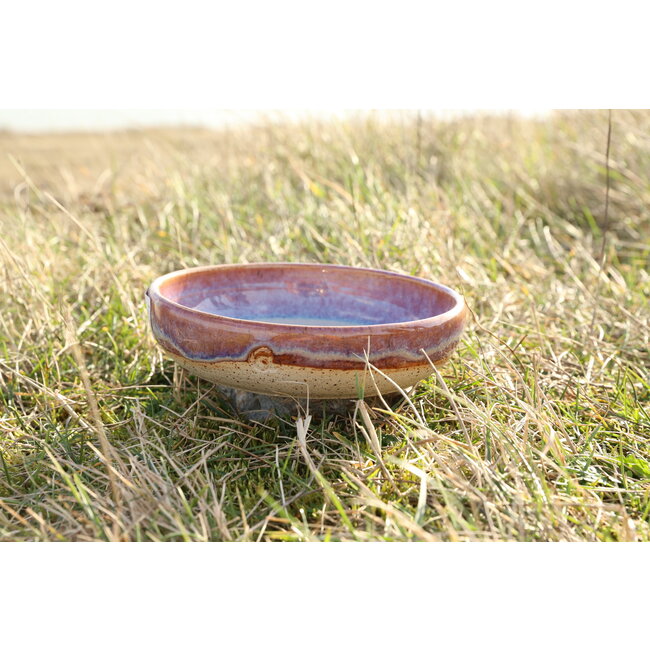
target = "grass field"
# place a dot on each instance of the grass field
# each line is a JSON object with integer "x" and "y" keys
{"x": 537, "y": 430}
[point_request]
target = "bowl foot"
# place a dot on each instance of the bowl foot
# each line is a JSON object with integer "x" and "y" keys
{"x": 254, "y": 407}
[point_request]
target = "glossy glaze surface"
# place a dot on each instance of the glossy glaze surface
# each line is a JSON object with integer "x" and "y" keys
{"x": 305, "y": 329}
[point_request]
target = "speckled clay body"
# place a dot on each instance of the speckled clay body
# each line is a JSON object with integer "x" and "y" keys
{"x": 305, "y": 330}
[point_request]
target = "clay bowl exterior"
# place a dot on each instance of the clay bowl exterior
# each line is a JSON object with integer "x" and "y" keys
{"x": 305, "y": 330}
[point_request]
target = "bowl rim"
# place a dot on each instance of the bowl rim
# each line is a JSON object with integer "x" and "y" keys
{"x": 153, "y": 291}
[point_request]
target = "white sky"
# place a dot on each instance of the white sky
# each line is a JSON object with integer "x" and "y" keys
{"x": 43, "y": 120}
{"x": 298, "y": 55}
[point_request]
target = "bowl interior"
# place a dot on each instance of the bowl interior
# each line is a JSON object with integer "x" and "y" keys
{"x": 297, "y": 294}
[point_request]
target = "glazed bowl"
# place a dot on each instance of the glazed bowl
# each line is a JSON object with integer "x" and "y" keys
{"x": 305, "y": 330}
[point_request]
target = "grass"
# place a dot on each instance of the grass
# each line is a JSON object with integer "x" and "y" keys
{"x": 537, "y": 430}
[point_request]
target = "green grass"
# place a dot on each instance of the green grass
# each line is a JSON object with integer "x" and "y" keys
{"x": 538, "y": 429}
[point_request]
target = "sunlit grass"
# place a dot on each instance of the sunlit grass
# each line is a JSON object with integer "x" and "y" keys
{"x": 538, "y": 429}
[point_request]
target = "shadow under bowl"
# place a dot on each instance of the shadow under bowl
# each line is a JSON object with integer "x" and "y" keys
{"x": 305, "y": 330}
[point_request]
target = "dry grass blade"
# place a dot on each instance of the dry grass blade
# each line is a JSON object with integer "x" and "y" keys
{"x": 370, "y": 434}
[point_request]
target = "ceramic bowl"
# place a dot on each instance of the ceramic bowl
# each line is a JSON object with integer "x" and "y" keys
{"x": 305, "y": 330}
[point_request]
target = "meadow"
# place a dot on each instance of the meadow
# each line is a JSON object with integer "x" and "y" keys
{"x": 538, "y": 429}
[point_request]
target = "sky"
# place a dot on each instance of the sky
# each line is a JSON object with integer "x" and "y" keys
{"x": 44, "y": 120}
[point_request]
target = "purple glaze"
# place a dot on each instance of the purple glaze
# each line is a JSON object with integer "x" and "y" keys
{"x": 307, "y": 315}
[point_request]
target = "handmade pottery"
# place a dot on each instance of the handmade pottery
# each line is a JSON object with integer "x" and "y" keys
{"x": 305, "y": 330}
